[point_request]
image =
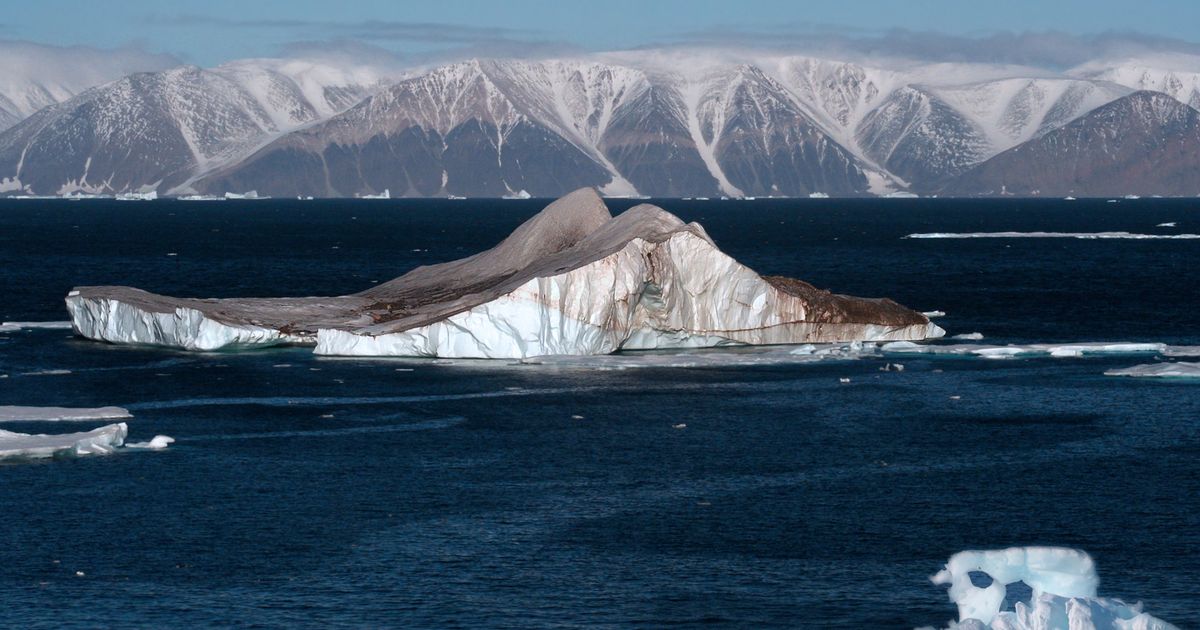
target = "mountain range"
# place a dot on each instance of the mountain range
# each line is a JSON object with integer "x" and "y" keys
{"x": 669, "y": 123}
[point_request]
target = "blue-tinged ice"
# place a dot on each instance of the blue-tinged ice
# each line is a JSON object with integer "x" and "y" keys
{"x": 1064, "y": 586}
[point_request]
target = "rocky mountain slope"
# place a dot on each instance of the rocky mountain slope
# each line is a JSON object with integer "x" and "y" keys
{"x": 1146, "y": 143}
{"x": 661, "y": 123}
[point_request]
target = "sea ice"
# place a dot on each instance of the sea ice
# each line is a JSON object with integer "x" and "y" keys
{"x": 1063, "y": 581}
{"x": 1159, "y": 370}
{"x": 15, "y": 326}
{"x": 159, "y": 442}
{"x": 95, "y": 442}
{"x": 1038, "y": 349}
{"x": 1079, "y": 235}
{"x": 10, "y": 413}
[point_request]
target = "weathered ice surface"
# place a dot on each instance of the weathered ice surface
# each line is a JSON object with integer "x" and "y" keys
{"x": 1063, "y": 583}
{"x": 95, "y": 442}
{"x": 571, "y": 280}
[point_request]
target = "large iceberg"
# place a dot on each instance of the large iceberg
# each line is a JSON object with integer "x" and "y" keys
{"x": 1063, "y": 584}
{"x": 572, "y": 280}
{"x": 95, "y": 442}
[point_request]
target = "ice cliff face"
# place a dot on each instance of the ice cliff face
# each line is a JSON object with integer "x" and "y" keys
{"x": 571, "y": 280}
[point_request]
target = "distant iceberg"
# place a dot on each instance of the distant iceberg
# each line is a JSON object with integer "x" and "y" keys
{"x": 1064, "y": 584}
{"x": 95, "y": 442}
{"x": 818, "y": 195}
{"x": 137, "y": 196}
{"x": 573, "y": 280}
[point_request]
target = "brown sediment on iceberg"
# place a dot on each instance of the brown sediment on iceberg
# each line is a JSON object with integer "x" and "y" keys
{"x": 571, "y": 280}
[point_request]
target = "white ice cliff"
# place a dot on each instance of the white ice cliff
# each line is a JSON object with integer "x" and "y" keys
{"x": 573, "y": 280}
{"x": 1063, "y": 584}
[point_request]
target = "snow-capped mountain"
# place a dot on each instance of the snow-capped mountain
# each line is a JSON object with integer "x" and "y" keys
{"x": 1145, "y": 143}
{"x": 159, "y": 130}
{"x": 664, "y": 123}
{"x": 36, "y": 76}
{"x": 488, "y": 127}
{"x": 1177, "y": 76}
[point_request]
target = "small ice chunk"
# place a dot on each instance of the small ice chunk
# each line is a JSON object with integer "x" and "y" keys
{"x": 1167, "y": 224}
{"x": 975, "y": 336}
{"x": 47, "y": 373}
{"x": 679, "y": 426}
{"x": 933, "y": 314}
{"x": 1159, "y": 370}
{"x": 159, "y": 442}
{"x": 1063, "y": 581}
{"x": 9, "y": 413}
{"x": 95, "y": 442}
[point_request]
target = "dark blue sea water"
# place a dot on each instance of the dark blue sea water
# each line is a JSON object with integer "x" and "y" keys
{"x": 315, "y": 492}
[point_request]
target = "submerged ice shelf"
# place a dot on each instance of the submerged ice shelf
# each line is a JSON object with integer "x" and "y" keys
{"x": 1064, "y": 586}
{"x": 573, "y": 280}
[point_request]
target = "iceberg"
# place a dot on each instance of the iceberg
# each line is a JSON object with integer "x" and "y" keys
{"x": 137, "y": 196}
{"x": 572, "y": 280}
{"x": 10, "y": 413}
{"x": 95, "y": 442}
{"x": 1063, "y": 583}
{"x": 1159, "y": 370}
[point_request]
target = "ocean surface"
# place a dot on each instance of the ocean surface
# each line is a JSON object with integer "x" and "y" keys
{"x": 308, "y": 492}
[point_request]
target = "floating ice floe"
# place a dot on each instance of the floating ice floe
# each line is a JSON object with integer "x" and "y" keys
{"x": 10, "y": 413}
{"x": 933, "y": 314}
{"x": 1159, "y": 370}
{"x": 1167, "y": 224}
{"x": 1078, "y": 235}
{"x": 1038, "y": 349}
{"x": 573, "y": 280}
{"x": 974, "y": 336}
{"x": 158, "y": 443}
{"x": 1064, "y": 592}
{"x": 15, "y": 326}
{"x": 95, "y": 442}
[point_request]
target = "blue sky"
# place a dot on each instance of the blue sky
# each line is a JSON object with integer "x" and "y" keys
{"x": 216, "y": 30}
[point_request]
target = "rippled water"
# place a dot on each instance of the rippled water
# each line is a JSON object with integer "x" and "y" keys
{"x": 316, "y": 492}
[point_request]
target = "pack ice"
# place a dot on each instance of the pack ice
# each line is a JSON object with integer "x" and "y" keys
{"x": 1063, "y": 582}
{"x": 572, "y": 280}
